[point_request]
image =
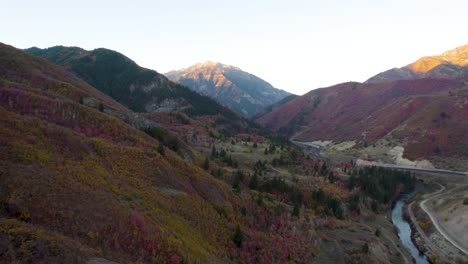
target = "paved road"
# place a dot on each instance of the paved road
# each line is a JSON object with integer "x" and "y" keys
{"x": 410, "y": 168}
{"x": 436, "y": 222}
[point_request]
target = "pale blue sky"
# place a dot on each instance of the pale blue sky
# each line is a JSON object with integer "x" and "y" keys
{"x": 295, "y": 45}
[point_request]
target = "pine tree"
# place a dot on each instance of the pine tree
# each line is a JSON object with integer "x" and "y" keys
{"x": 213, "y": 151}
{"x": 296, "y": 210}
{"x": 206, "y": 165}
{"x": 253, "y": 181}
{"x": 161, "y": 149}
{"x": 238, "y": 236}
{"x": 365, "y": 248}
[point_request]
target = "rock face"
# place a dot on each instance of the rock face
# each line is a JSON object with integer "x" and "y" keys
{"x": 140, "y": 89}
{"x": 452, "y": 64}
{"x": 243, "y": 92}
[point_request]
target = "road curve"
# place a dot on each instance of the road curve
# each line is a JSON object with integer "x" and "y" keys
{"x": 436, "y": 223}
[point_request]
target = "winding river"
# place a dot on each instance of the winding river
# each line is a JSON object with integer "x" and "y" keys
{"x": 404, "y": 229}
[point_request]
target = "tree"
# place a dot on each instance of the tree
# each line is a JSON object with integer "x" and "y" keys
{"x": 365, "y": 248}
{"x": 206, "y": 165}
{"x": 161, "y": 149}
{"x": 296, "y": 210}
{"x": 253, "y": 183}
{"x": 377, "y": 232}
{"x": 213, "y": 151}
{"x": 259, "y": 199}
{"x": 238, "y": 236}
{"x": 219, "y": 173}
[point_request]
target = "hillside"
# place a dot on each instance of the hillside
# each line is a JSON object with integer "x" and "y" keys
{"x": 427, "y": 117}
{"x": 243, "y": 92}
{"x": 140, "y": 89}
{"x": 452, "y": 64}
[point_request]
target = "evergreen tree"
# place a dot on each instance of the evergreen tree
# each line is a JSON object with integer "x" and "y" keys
{"x": 213, "y": 151}
{"x": 206, "y": 165}
{"x": 238, "y": 236}
{"x": 161, "y": 149}
{"x": 365, "y": 248}
{"x": 253, "y": 183}
{"x": 296, "y": 210}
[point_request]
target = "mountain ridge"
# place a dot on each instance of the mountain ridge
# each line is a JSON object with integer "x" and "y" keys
{"x": 241, "y": 91}
{"x": 452, "y": 64}
{"x": 138, "y": 88}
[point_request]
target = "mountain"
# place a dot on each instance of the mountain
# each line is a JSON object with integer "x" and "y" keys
{"x": 243, "y": 92}
{"x": 452, "y": 64}
{"x": 271, "y": 107}
{"x": 426, "y": 116}
{"x": 140, "y": 89}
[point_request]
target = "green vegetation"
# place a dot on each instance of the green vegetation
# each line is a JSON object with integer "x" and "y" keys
{"x": 381, "y": 184}
{"x": 163, "y": 135}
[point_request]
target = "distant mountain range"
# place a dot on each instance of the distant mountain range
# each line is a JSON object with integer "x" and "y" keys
{"x": 425, "y": 112}
{"x": 243, "y": 92}
{"x": 140, "y": 89}
{"x": 452, "y": 64}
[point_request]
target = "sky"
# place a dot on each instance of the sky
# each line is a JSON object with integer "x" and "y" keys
{"x": 295, "y": 45}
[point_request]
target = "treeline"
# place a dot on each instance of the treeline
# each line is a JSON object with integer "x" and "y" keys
{"x": 381, "y": 184}
{"x": 164, "y": 136}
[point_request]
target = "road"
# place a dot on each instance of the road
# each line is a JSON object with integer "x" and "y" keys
{"x": 436, "y": 222}
{"x": 410, "y": 168}
{"x": 313, "y": 149}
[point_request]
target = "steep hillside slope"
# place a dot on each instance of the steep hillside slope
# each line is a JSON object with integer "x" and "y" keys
{"x": 427, "y": 116}
{"x": 241, "y": 91}
{"x": 452, "y": 64}
{"x": 140, "y": 89}
{"x": 270, "y": 108}
{"x": 78, "y": 183}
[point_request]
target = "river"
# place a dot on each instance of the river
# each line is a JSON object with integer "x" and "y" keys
{"x": 404, "y": 229}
